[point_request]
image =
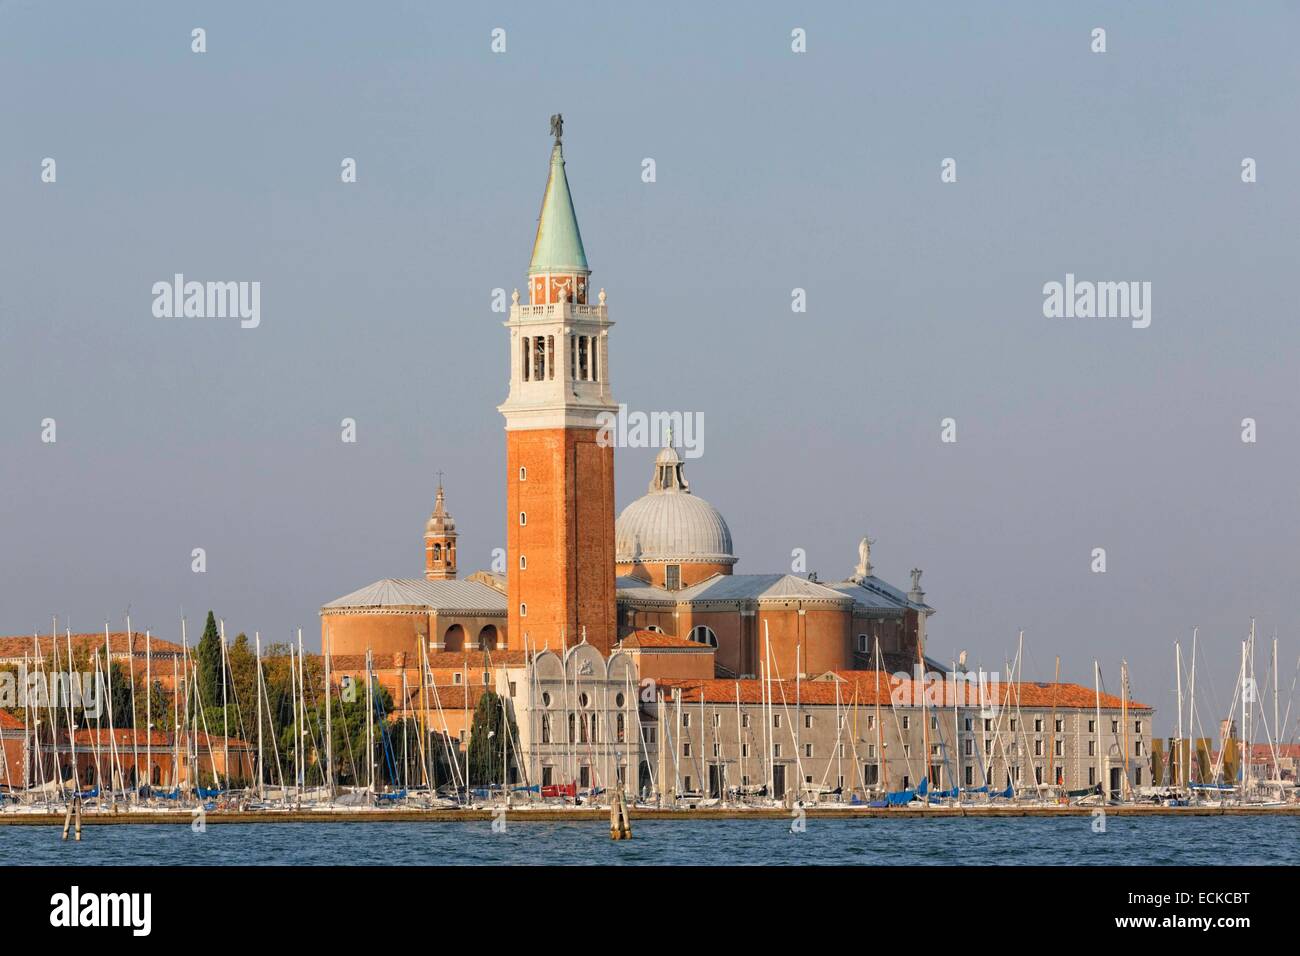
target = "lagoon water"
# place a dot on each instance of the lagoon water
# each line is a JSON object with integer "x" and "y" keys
{"x": 1194, "y": 841}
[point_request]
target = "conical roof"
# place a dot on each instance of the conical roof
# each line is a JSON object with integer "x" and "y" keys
{"x": 558, "y": 246}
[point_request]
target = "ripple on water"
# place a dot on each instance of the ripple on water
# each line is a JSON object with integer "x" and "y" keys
{"x": 753, "y": 842}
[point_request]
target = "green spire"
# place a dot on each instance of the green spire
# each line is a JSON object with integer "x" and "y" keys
{"x": 558, "y": 246}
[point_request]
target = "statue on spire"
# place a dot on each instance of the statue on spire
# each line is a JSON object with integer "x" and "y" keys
{"x": 557, "y": 126}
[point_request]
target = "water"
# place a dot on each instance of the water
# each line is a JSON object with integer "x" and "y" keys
{"x": 1208, "y": 841}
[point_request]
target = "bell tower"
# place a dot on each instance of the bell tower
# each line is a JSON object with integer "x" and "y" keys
{"x": 559, "y": 477}
{"x": 440, "y": 542}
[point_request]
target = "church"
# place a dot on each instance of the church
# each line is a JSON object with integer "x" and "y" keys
{"x": 661, "y": 575}
{"x": 631, "y": 652}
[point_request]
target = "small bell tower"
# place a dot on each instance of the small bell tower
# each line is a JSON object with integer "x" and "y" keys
{"x": 440, "y": 541}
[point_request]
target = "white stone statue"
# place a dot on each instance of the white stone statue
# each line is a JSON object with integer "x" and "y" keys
{"x": 863, "y": 570}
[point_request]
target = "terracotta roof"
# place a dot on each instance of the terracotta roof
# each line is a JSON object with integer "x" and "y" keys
{"x": 9, "y": 722}
{"x": 861, "y": 685}
{"x": 18, "y": 647}
{"x": 653, "y": 640}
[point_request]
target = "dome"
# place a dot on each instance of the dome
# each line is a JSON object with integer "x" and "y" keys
{"x": 440, "y": 522}
{"x": 670, "y": 524}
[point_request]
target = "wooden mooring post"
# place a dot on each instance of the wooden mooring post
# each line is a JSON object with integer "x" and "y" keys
{"x": 620, "y": 824}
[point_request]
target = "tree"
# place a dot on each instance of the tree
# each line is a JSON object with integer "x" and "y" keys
{"x": 208, "y": 655}
{"x": 485, "y": 737}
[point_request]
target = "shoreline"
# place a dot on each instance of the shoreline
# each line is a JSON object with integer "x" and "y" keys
{"x": 556, "y": 814}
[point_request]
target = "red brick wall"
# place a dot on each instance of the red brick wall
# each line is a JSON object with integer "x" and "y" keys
{"x": 568, "y": 540}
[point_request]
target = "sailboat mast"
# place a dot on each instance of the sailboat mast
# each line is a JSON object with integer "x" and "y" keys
{"x": 302, "y": 716}
{"x": 225, "y": 721}
{"x": 329, "y": 723}
{"x": 1277, "y": 728}
{"x": 261, "y": 774}
{"x": 1191, "y": 713}
{"x": 148, "y": 707}
{"x": 1178, "y": 744}
{"x": 1101, "y": 767}
{"x": 1123, "y": 716}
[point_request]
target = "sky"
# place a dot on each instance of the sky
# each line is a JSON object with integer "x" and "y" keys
{"x": 774, "y": 171}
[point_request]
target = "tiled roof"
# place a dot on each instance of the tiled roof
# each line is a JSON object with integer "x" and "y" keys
{"x": 861, "y": 686}
{"x": 421, "y": 593}
{"x": 9, "y": 722}
{"x": 872, "y": 593}
{"x": 735, "y": 587}
{"x": 17, "y": 647}
{"x": 653, "y": 641}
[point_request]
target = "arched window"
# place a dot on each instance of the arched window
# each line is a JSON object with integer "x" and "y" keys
{"x": 864, "y": 643}
{"x": 619, "y": 725}
{"x": 656, "y": 628}
{"x": 523, "y": 518}
{"x": 437, "y": 552}
{"x": 703, "y": 634}
{"x": 523, "y": 473}
{"x": 523, "y": 609}
{"x": 571, "y": 737}
{"x": 523, "y": 563}
{"x": 546, "y": 728}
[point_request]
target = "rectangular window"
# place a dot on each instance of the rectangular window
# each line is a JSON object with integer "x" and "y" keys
{"x": 1060, "y": 748}
{"x": 970, "y": 747}
{"x": 907, "y": 723}
{"x": 970, "y": 776}
{"x": 687, "y": 784}
{"x": 686, "y": 749}
{"x": 1092, "y": 726}
{"x": 744, "y": 750}
{"x": 582, "y": 358}
{"x": 686, "y": 720}
{"x": 871, "y": 774}
{"x": 717, "y": 720}
{"x": 871, "y": 751}
{"x": 1092, "y": 748}
{"x": 744, "y": 720}
{"x": 715, "y": 751}
{"x": 776, "y": 750}
{"x": 672, "y": 577}
{"x": 1092, "y": 776}
{"x": 1137, "y": 726}
{"x": 1060, "y": 724}
{"x": 1038, "y": 725}
{"x": 807, "y": 750}
{"x": 970, "y": 725}
{"x": 776, "y": 721}
{"x": 807, "y": 721}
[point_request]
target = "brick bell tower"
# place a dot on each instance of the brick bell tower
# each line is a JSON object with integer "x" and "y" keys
{"x": 559, "y": 478}
{"x": 440, "y": 542}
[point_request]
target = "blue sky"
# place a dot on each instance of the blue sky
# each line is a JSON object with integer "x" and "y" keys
{"x": 774, "y": 171}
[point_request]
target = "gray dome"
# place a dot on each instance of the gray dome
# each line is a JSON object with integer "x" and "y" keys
{"x": 670, "y": 524}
